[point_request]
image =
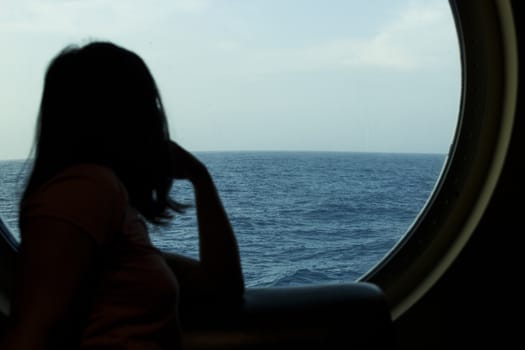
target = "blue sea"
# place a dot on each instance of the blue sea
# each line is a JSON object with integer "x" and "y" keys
{"x": 299, "y": 217}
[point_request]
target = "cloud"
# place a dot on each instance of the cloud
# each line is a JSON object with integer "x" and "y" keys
{"x": 356, "y": 53}
{"x": 420, "y": 35}
{"x": 78, "y": 16}
{"x": 190, "y": 5}
{"x": 53, "y": 17}
{"x": 416, "y": 37}
{"x": 412, "y": 39}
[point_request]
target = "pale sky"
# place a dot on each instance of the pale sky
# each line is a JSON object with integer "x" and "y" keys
{"x": 334, "y": 75}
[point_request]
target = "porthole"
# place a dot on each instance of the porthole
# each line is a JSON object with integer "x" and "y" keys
{"x": 425, "y": 231}
{"x": 479, "y": 150}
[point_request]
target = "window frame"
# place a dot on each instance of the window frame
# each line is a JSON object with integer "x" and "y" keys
{"x": 468, "y": 180}
{"x": 489, "y": 60}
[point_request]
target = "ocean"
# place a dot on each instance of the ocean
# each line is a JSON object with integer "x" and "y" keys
{"x": 299, "y": 217}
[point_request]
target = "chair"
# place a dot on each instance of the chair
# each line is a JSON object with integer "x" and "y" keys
{"x": 349, "y": 315}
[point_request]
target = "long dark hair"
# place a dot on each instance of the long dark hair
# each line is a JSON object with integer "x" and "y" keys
{"x": 101, "y": 105}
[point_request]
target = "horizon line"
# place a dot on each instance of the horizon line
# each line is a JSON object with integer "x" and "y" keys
{"x": 282, "y": 151}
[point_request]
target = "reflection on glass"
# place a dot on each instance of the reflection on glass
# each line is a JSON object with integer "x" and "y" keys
{"x": 325, "y": 127}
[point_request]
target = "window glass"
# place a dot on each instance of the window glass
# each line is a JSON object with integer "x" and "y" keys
{"x": 325, "y": 124}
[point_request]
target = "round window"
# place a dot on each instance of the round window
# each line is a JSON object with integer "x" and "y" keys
{"x": 326, "y": 127}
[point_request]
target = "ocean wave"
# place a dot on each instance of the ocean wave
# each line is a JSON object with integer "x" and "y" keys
{"x": 300, "y": 218}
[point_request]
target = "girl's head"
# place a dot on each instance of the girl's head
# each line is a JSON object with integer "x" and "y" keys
{"x": 101, "y": 105}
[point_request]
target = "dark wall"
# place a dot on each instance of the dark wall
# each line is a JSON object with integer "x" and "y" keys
{"x": 478, "y": 297}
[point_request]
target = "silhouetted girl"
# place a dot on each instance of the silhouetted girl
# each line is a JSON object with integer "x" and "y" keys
{"x": 88, "y": 274}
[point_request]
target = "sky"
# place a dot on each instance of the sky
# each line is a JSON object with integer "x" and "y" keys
{"x": 311, "y": 75}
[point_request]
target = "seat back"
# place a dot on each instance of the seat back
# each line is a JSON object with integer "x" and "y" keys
{"x": 8, "y": 252}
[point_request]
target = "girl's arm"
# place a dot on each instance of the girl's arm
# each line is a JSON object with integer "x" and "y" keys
{"x": 218, "y": 271}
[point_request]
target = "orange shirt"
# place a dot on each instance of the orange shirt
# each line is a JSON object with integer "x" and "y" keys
{"x": 133, "y": 300}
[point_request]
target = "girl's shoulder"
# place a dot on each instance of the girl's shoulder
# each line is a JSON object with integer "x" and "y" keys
{"x": 90, "y": 196}
{"x": 88, "y": 178}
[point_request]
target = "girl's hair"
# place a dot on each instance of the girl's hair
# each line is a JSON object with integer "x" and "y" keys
{"x": 101, "y": 105}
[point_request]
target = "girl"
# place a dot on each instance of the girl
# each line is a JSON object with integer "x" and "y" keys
{"x": 88, "y": 275}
